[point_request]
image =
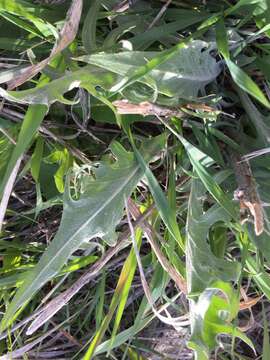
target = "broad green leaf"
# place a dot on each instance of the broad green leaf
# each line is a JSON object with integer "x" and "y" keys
{"x": 159, "y": 59}
{"x": 63, "y": 158}
{"x": 22, "y": 23}
{"x": 96, "y": 212}
{"x": 185, "y": 73}
{"x": 263, "y": 64}
{"x": 47, "y": 94}
{"x": 262, "y": 14}
{"x": 31, "y": 122}
{"x": 218, "y": 240}
{"x": 211, "y": 316}
{"x": 203, "y": 267}
{"x": 222, "y": 40}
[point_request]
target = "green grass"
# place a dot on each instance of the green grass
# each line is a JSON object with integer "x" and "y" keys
{"x": 116, "y": 224}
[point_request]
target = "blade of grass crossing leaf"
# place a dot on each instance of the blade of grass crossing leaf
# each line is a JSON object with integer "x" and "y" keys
{"x": 241, "y": 78}
{"x": 153, "y": 63}
{"x": 119, "y": 299}
{"x": 167, "y": 214}
{"x": 89, "y": 27}
{"x": 78, "y": 263}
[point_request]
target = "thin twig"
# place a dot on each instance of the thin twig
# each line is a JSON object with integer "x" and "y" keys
{"x": 178, "y": 278}
{"x": 160, "y": 13}
{"x": 5, "y": 132}
{"x": 75, "y": 152}
{"x": 177, "y": 323}
{"x": 23, "y": 350}
{"x": 255, "y": 154}
{"x": 14, "y": 115}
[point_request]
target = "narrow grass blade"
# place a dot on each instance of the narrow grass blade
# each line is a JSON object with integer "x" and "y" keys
{"x": 241, "y": 78}
{"x": 166, "y": 213}
{"x": 89, "y": 27}
{"x": 119, "y": 300}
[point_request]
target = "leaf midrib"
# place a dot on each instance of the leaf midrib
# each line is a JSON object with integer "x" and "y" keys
{"x": 77, "y": 231}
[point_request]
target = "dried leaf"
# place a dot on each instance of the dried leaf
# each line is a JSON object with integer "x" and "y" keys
{"x": 67, "y": 35}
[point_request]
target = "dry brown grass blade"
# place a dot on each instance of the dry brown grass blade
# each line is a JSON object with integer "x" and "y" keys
{"x": 19, "y": 353}
{"x": 247, "y": 194}
{"x": 176, "y": 277}
{"x": 247, "y": 304}
{"x": 248, "y": 301}
{"x": 67, "y": 35}
{"x": 176, "y": 322}
{"x": 145, "y": 108}
{"x": 160, "y": 14}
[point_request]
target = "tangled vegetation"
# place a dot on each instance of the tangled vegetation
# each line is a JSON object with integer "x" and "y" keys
{"x": 134, "y": 187}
